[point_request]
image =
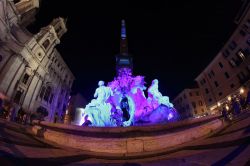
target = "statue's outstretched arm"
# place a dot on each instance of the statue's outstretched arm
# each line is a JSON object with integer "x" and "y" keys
{"x": 96, "y": 93}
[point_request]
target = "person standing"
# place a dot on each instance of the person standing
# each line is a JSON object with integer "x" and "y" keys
{"x": 56, "y": 117}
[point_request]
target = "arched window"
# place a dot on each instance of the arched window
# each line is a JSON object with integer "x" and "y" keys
{"x": 42, "y": 92}
{"x": 47, "y": 93}
{"x": 1, "y": 58}
{"x": 18, "y": 96}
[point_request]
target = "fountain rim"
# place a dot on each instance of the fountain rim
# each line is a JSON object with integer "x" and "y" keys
{"x": 145, "y": 129}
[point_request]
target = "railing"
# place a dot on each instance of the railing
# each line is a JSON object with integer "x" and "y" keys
{"x": 26, "y": 5}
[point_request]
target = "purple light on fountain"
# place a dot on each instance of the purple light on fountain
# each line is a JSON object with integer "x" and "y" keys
{"x": 122, "y": 102}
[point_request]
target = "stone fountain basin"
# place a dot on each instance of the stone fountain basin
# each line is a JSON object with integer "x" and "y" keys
{"x": 128, "y": 141}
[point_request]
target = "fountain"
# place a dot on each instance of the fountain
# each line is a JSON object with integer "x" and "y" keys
{"x": 123, "y": 102}
{"x": 124, "y": 123}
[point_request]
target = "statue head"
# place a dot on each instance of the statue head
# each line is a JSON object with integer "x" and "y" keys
{"x": 101, "y": 83}
{"x": 155, "y": 81}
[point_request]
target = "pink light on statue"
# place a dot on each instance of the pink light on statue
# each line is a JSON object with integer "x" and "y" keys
{"x": 123, "y": 103}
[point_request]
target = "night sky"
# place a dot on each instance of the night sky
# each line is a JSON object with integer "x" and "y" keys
{"x": 172, "y": 42}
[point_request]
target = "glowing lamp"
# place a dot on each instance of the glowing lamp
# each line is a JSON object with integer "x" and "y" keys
{"x": 229, "y": 98}
{"x": 241, "y": 90}
{"x": 218, "y": 104}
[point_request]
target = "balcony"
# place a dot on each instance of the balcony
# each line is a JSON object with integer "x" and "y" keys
{"x": 27, "y": 10}
{"x": 25, "y": 6}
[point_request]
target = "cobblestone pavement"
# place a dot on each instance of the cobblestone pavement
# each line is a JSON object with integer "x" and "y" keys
{"x": 228, "y": 146}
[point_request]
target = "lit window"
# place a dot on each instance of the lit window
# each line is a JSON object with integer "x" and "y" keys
{"x": 241, "y": 54}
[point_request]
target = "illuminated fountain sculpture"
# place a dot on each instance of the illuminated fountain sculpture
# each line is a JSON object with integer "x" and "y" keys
{"x": 123, "y": 102}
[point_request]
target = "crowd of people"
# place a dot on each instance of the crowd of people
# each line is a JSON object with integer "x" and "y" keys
{"x": 13, "y": 112}
{"x": 235, "y": 106}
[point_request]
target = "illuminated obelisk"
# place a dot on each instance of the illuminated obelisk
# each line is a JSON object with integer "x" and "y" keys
{"x": 124, "y": 61}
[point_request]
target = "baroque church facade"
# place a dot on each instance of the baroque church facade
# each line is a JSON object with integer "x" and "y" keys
{"x": 33, "y": 75}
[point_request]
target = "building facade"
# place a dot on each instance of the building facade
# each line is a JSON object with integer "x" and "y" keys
{"x": 33, "y": 74}
{"x": 190, "y": 103}
{"x": 229, "y": 72}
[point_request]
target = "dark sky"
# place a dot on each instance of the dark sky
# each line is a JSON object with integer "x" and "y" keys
{"x": 172, "y": 42}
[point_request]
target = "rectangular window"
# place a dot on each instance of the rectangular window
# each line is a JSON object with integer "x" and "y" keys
{"x": 232, "y": 86}
{"x": 247, "y": 52}
{"x": 232, "y": 45}
{"x": 220, "y": 94}
{"x": 216, "y": 83}
{"x": 232, "y": 63}
{"x": 225, "y": 53}
{"x": 242, "y": 33}
{"x": 221, "y": 65}
{"x": 209, "y": 75}
{"x": 226, "y": 75}
{"x": 240, "y": 55}
{"x": 195, "y": 111}
{"x": 18, "y": 96}
{"x": 248, "y": 41}
{"x": 194, "y": 105}
{"x": 212, "y": 73}
{"x": 207, "y": 91}
{"x": 197, "y": 93}
{"x": 25, "y": 78}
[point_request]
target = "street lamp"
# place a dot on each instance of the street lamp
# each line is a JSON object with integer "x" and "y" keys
{"x": 229, "y": 98}
{"x": 241, "y": 90}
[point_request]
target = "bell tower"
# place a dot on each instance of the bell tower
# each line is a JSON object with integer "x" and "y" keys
{"x": 45, "y": 41}
{"x": 124, "y": 61}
